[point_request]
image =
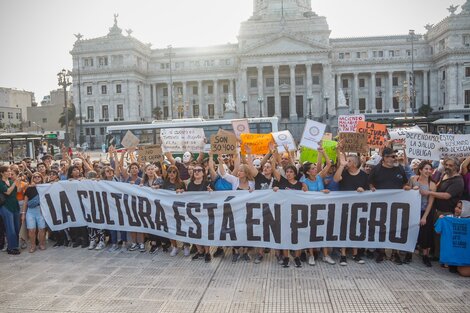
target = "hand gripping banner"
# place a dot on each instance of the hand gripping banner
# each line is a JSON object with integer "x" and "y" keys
{"x": 285, "y": 219}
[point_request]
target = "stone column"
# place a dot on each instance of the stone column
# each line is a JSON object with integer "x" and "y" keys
{"x": 425, "y": 87}
{"x": 231, "y": 89}
{"x": 389, "y": 102}
{"x": 171, "y": 100}
{"x": 338, "y": 87}
{"x": 408, "y": 92}
{"x": 292, "y": 106}
{"x": 355, "y": 96}
{"x": 186, "y": 105}
{"x": 217, "y": 111}
{"x": 277, "y": 97}
{"x": 308, "y": 66}
{"x": 202, "y": 105}
{"x": 434, "y": 88}
{"x": 244, "y": 83}
{"x": 260, "y": 89}
{"x": 371, "y": 104}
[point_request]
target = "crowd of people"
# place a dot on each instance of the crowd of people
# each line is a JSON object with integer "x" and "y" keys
{"x": 444, "y": 188}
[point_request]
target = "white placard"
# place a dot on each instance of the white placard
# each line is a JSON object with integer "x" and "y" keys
{"x": 130, "y": 140}
{"x": 182, "y": 139}
{"x": 400, "y": 133}
{"x": 455, "y": 145}
{"x": 348, "y": 123}
{"x": 423, "y": 146}
{"x": 313, "y": 133}
{"x": 284, "y": 138}
{"x": 240, "y": 127}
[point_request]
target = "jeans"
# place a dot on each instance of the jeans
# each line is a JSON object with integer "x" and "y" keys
{"x": 11, "y": 221}
{"x": 114, "y": 234}
{"x": 34, "y": 218}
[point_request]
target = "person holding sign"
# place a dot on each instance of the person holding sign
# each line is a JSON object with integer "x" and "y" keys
{"x": 183, "y": 166}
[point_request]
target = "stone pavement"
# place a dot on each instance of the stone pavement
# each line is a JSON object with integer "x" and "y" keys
{"x": 78, "y": 280}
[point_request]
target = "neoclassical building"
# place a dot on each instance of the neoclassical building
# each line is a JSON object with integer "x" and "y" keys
{"x": 285, "y": 64}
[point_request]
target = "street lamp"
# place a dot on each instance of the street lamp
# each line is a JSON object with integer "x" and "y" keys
{"x": 244, "y": 101}
{"x": 326, "y": 98}
{"x": 310, "y": 98}
{"x": 64, "y": 81}
{"x": 412, "y": 78}
{"x": 260, "y": 101}
{"x": 170, "y": 98}
{"x": 81, "y": 136}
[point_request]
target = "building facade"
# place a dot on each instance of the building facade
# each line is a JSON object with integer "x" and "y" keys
{"x": 285, "y": 64}
{"x": 13, "y": 108}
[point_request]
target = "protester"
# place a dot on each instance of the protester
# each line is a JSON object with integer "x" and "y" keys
{"x": 10, "y": 210}
{"x": 32, "y": 216}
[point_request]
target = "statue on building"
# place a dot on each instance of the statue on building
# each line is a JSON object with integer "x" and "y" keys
{"x": 129, "y": 32}
{"x": 115, "y": 19}
{"x": 341, "y": 98}
{"x": 428, "y": 26}
{"x": 452, "y": 9}
{"x": 230, "y": 105}
{"x": 78, "y": 36}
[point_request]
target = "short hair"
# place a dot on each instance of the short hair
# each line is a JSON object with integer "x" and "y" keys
{"x": 388, "y": 151}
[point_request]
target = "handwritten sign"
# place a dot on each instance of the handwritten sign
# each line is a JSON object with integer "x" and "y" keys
{"x": 284, "y": 138}
{"x": 375, "y": 133}
{"x": 150, "y": 153}
{"x": 354, "y": 142}
{"x": 258, "y": 143}
{"x": 313, "y": 133}
{"x": 182, "y": 139}
{"x": 455, "y": 145}
{"x": 129, "y": 140}
{"x": 224, "y": 143}
{"x": 348, "y": 123}
{"x": 310, "y": 155}
{"x": 423, "y": 146}
{"x": 400, "y": 133}
{"x": 240, "y": 127}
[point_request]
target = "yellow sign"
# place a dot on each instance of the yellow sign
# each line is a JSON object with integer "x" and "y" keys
{"x": 259, "y": 143}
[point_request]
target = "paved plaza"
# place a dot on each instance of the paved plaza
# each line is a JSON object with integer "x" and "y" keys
{"x": 79, "y": 280}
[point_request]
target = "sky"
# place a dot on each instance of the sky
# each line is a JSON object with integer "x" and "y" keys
{"x": 36, "y": 36}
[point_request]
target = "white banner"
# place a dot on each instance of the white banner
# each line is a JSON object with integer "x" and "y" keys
{"x": 400, "y": 133}
{"x": 182, "y": 139}
{"x": 313, "y": 133}
{"x": 423, "y": 146}
{"x": 348, "y": 123}
{"x": 285, "y": 219}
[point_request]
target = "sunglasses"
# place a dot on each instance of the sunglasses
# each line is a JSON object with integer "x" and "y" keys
{"x": 171, "y": 172}
{"x": 391, "y": 156}
{"x": 224, "y": 156}
{"x": 197, "y": 170}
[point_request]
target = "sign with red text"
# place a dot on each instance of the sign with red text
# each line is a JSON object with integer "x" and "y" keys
{"x": 348, "y": 123}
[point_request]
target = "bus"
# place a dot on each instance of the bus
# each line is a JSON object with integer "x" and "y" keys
{"x": 150, "y": 133}
{"x": 16, "y": 146}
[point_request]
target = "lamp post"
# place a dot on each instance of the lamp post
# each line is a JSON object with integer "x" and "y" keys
{"x": 64, "y": 81}
{"x": 310, "y": 98}
{"x": 412, "y": 78}
{"x": 260, "y": 101}
{"x": 81, "y": 136}
{"x": 326, "y": 98}
{"x": 170, "y": 91}
{"x": 244, "y": 101}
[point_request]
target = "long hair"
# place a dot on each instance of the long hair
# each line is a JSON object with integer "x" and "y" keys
{"x": 178, "y": 180}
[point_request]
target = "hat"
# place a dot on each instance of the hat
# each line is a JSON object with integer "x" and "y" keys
{"x": 374, "y": 160}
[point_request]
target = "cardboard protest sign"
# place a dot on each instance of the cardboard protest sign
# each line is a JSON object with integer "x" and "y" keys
{"x": 259, "y": 143}
{"x": 313, "y": 133}
{"x": 455, "y": 145}
{"x": 354, "y": 142}
{"x": 284, "y": 138}
{"x": 348, "y": 123}
{"x": 423, "y": 146}
{"x": 400, "y": 133}
{"x": 240, "y": 127}
{"x": 129, "y": 140}
{"x": 311, "y": 155}
{"x": 150, "y": 153}
{"x": 224, "y": 142}
{"x": 182, "y": 139}
{"x": 375, "y": 133}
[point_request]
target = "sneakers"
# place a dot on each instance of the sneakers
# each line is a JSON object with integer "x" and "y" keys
{"x": 92, "y": 245}
{"x": 285, "y": 262}
{"x": 258, "y": 259}
{"x": 297, "y": 262}
{"x": 329, "y": 260}
{"x": 133, "y": 247}
{"x": 207, "y": 257}
{"x": 114, "y": 247}
{"x": 174, "y": 251}
{"x": 246, "y": 257}
{"x": 100, "y": 246}
{"x": 280, "y": 259}
{"x": 153, "y": 249}
{"x": 219, "y": 252}
{"x": 427, "y": 261}
{"x": 343, "y": 261}
{"x": 396, "y": 259}
{"x": 197, "y": 256}
{"x": 311, "y": 260}
{"x": 235, "y": 257}
{"x": 358, "y": 259}
{"x": 186, "y": 251}
{"x": 142, "y": 247}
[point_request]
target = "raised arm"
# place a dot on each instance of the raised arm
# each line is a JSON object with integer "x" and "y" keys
{"x": 464, "y": 166}
{"x": 212, "y": 171}
{"x": 324, "y": 172}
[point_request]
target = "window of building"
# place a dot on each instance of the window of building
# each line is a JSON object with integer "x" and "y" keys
{"x": 2, "y": 115}
{"x": 102, "y": 131}
{"x": 103, "y": 61}
{"x": 467, "y": 98}
{"x": 362, "y": 105}
{"x": 299, "y": 81}
{"x": 105, "y": 112}
{"x": 120, "y": 111}
{"x": 88, "y": 62}
{"x": 195, "y": 90}
{"x": 444, "y": 98}
{"x": 391, "y": 53}
{"x": 90, "y": 113}
{"x": 378, "y": 104}
{"x": 195, "y": 110}
{"x": 270, "y": 82}
{"x": 210, "y": 110}
{"x": 378, "y": 82}
{"x": 315, "y": 80}
{"x": 18, "y": 116}
{"x": 179, "y": 90}
{"x": 381, "y": 54}
{"x": 225, "y": 88}
{"x": 89, "y": 90}
{"x": 299, "y": 104}
{"x": 467, "y": 71}
{"x": 44, "y": 120}
{"x": 444, "y": 75}
{"x": 466, "y": 40}
{"x": 347, "y": 55}
{"x": 362, "y": 82}
{"x": 341, "y": 55}
{"x": 165, "y": 91}
{"x": 118, "y": 88}
{"x": 345, "y": 83}
{"x": 104, "y": 89}
{"x": 210, "y": 89}
{"x": 165, "y": 112}
{"x": 396, "y": 104}
{"x": 442, "y": 44}
{"x": 397, "y": 53}
{"x": 89, "y": 131}
{"x": 253, "y": 83}
{"x": 10, "y": 115}
{"x": 358, "y": 55}
{"x": 395, "y": 81}
{"x": 284, "y": 80}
